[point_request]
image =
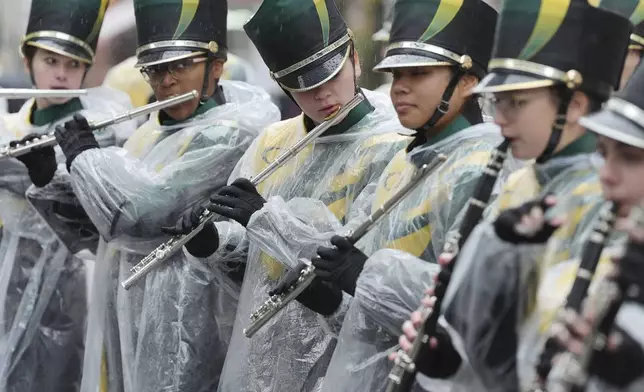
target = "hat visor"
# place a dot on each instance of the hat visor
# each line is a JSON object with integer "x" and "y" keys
{"x": 62, "y": 47}
{"x": 155, "y": 57}
{"x": 614, "y": 126}
{"x": 496, "y": 82}
{"x": 317, "y": 73}
{"x": 409, "y": 60}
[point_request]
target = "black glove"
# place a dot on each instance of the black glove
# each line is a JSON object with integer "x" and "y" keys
{"x": 41, "y": 162}
{"x": 202, "y": 245}
{"x": 341, "y": 265}
{"x": 237, "y": 201}
{"x": 320, "y": 297}
{"x": 75, "y": 137}
{"x": 621, "y": 366}
{"x": 506, "y": 224}
{"x": 631, "y": 272}
{"x": 440, "y": 362}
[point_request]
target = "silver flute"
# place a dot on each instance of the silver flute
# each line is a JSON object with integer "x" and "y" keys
{"x": 277, "y": 302}
{"x": 570, "y": 373}
{"x": 48, "y": 139}
{"x": 174, "y": 244}
{"x": 26, "y": 93}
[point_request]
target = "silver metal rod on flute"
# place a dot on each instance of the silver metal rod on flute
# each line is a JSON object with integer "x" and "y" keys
{"x": 277, "y": 302}
{"x": 27, "y": 93}
{"x": 174, "y": 244}
{"x": 49, "y": 139}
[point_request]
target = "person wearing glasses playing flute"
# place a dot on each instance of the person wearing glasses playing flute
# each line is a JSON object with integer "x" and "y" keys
{"x": 526, "y": 103}
{"x": 43, "y": 297}
{"x": 311, "y": 55}
{"x": 171, "y": 163}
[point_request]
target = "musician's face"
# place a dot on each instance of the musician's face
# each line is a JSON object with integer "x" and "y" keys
{"x": 416, "y": 93}
{"x": 322, "y": 101}
{"x": 622, "y": 173}
{"x": 182, "y": 77}
{"x": 57, "y": 72}
{"x": 526, "y": 118}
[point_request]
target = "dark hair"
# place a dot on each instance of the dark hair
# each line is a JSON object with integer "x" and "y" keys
{"x": 29, "y": 52}
{"x": 594, "y": 102}
{"x": 471, "y": 108}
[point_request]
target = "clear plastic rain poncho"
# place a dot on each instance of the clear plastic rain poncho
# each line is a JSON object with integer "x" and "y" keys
{"x": 326, "y": 185}
{"x": 494, "y": 284}
{"x": 42, "y": 284}
{"x": 555, "y": 278}
{"x": 172, "y": 329}
{"x": 553, "y": 287}
{"x": 394, "y": 280}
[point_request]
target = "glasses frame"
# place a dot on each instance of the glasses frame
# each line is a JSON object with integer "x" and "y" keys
{"x": 155, "y": 74}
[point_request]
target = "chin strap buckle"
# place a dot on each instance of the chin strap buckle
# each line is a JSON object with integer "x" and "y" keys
{"x": 443, "y": 107}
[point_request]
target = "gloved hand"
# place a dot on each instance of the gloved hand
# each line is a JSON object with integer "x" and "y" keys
{"x": 341, "y": 265}
{"x": 439, "y": 358}
{"x": 631, "y": 271}
{"x": 526, "y": 224}
{"x": 320, "y": 296}
{"x": 202, "y": 245}
{"x": 619, "y": 362}
{"x": 75, "y": 137}
{"x": 41, "y": 162}
{"x": 237, "y": 201}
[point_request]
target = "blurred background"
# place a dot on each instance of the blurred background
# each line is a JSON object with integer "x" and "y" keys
{"x": 118, "y": 43}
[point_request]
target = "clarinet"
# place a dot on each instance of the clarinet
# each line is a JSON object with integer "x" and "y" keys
{"x": 402, "y": 376}
{"x": 571, "y": 374}
{"x": 277, "y": 302}
{"x": 589, "y": 261}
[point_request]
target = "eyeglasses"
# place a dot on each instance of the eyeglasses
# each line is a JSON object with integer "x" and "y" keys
{"x": 155, "y": 74}
{"x": 508, "y": 105}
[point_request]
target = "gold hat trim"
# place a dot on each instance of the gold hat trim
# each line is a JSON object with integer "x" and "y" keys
{"x": 26, "y": 40}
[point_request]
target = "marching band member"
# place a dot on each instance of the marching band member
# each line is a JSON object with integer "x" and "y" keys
{"x": 536, "y": 80}
{"x": 438, "y": 51}
{"x": 311, "y": 54}
{"x": 43, "y": 297}
{"x": 170, "y": 333}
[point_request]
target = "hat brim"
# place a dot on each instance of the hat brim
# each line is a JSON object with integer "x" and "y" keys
{"x": 404, "y": 60}
{"x": 316, "y": 73}
{"x": 156, "y": 57}
{"x": 614, "y": 126}
{"x": 62, "y": 47}
{"x": 496, "y": 82}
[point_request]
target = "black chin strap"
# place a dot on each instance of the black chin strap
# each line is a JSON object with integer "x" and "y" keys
{"x": 352, "y": 52}
{"x": 565, "y": 96}
{"x": 441, "y": 110}
{"x": 206, "y": 78}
